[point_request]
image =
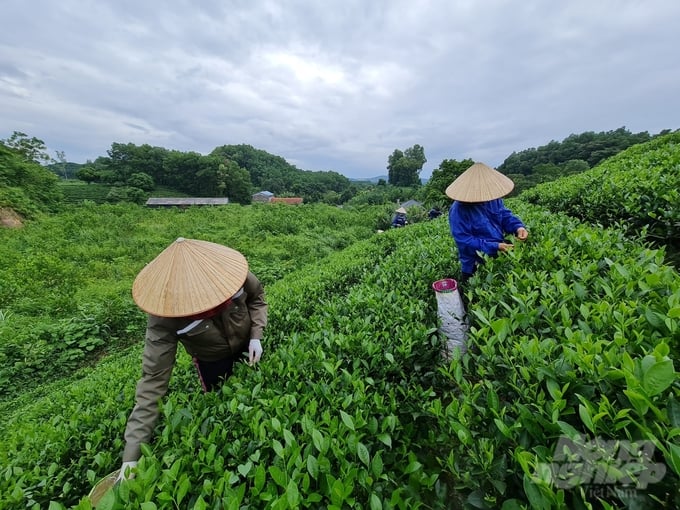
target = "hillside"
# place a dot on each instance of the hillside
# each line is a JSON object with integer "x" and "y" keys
{"x": 637, "y": 190}
{"x": 352, "y": 407}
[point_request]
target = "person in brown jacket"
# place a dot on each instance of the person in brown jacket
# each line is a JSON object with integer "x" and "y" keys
{"x": 202, "y": 295}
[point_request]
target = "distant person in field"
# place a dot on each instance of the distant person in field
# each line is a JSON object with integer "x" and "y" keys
{"x": 202, "y": 295}
{"x": 435, "y": 212}
{"x": 399, "y": 219}
{"x": 478, "y": 218}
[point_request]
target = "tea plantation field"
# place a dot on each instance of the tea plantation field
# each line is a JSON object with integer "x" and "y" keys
{"x": 574, "y": 337}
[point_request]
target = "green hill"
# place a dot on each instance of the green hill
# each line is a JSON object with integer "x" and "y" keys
{"x": 574, "y": 332}
{"x": 638, "y": 189}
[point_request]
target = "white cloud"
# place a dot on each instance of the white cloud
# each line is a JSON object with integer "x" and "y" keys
{"x": 336, "y": 85}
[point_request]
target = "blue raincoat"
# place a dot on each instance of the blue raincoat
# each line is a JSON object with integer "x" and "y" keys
{"x": 480, "y": 227}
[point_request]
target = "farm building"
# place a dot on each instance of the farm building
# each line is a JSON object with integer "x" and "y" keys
{"x": 263, "y": 196}
{"x": 286, "y": 200}
{"x": 185, "y": 202}
{"x": 411, "y": 203}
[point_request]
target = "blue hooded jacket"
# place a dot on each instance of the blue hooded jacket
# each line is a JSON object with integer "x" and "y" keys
{"x": 480, "y": 227}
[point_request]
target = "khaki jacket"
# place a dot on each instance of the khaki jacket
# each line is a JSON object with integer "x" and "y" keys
{"x": 226, "y": 334}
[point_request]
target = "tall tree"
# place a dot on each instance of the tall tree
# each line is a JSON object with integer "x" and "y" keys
{"x": 237, "y": 182}
{"x": 404, "y": 167}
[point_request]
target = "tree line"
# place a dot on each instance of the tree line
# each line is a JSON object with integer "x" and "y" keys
{"x": 237, "y": 171}
{"x": 234, "y": 171}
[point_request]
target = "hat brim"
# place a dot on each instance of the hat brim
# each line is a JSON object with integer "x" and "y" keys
{"x": 479, "y": 183}
{"x": 189, "y": 277}
{"x": 102, "y": 487}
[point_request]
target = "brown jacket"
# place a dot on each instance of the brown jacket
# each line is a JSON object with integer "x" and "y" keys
{"x": 226, "y": 334}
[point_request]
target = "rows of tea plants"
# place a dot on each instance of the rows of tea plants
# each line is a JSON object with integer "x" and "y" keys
{"x": 573, "y": 334}
{"x": 65, "y": 280}
{"x": 638, "y": 188}
{"x": 76, "y": 192}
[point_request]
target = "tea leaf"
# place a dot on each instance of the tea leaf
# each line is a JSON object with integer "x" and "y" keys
{"x": 638, "y": 401}
{"x": 292, "y": 494}
{"x": 658, "y": 377}
{"x": 673, "y": 411}
{"x": 363, "y": 454}
{"x": 586, "y": 417}
{"x": 317, "y": 439}
{"x": 385, "y": 439}
{"x": 347, "y": 420}
{"x": 313, "y": 466}
{"x": 492, "y": 400}
{"x": 278, "y": 475}
{"x": 107, "y": 502}
{"x": 182, "y": 490}
{"x": 674, "y": 460}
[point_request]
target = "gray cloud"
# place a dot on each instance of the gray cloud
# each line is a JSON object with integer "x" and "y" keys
{"x": 336, "y": 85}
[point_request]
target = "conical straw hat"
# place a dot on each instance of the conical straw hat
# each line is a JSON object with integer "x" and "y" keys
{"x": 189, "y": 277}
{"x": 479, "y": 183}
{"x": 401, "y": 210}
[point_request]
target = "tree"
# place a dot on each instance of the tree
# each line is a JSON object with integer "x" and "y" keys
{"x": 434, "y": 192}
{"x": 25, "y": 185}
{"x": 404, "y": 167}
{"x": 237, "y": 181}
{"x": 589, "y": 147}
{"x": 61, "y": 162}
{"x": 33, "y": 149}
{"x": 88, "y": 174}
{"x": 142, "y": 181}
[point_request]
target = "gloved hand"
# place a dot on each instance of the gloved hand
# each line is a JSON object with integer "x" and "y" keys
{"x": 254, "y": 351}
{"x": 126, "y": 470}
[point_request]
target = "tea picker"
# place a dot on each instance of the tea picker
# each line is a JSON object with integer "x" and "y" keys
{"x": 203, "y": 296}
{"x": 479, "y": 223}
{"x": 478, "y": 218}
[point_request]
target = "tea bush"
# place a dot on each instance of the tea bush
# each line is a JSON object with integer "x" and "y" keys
{"x": 637, "y": 189}
{"x": 572, "y": 333}
{"x": 79, "y": 265}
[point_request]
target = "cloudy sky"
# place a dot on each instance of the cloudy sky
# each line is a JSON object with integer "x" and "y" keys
{"x": 336, "y": 85}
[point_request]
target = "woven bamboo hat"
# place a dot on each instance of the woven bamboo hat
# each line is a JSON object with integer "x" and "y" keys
{"x": 479, "y": 183}
{"x": 189, "y": 277}
{"x": 401, "y": 210}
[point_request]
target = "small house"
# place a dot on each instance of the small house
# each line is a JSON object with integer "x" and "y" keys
{"x": 263, "y": 196}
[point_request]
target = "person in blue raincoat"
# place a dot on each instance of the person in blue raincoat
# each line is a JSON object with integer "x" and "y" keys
{"x": 399, "y": 219}
{"x": 478, "y": 218}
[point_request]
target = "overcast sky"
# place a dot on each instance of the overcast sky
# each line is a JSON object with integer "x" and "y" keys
{"x": 336, "y": 85}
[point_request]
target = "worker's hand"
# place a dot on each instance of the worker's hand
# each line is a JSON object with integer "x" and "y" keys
{"x": 254, "y": 351}
{"x": 522, "y": 233}
{"x": 504, "y": 246}
{"x": 126, "y": 470}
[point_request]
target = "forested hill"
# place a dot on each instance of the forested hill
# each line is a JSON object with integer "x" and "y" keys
{"x": 233, "y": 171}
{"x": 275, "y": 174}
{"x": 575, "y": 154}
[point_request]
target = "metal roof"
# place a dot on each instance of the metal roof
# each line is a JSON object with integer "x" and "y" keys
{"x": 175, "y": 201}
